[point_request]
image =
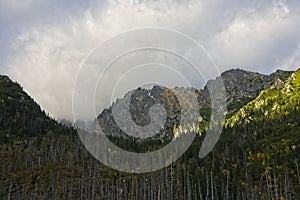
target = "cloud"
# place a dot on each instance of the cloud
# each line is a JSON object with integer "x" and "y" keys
{"x": 45, "y": 42}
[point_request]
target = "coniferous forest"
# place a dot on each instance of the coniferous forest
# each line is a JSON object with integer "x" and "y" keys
{"x": 256, "y": 157}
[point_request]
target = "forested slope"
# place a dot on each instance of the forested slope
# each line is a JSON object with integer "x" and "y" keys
{"x": 255, "y": 158}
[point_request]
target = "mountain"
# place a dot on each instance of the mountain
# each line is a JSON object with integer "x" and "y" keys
{"x": 262, "y": 141}
{"x": 241, "y": 87}
{"x": 279, "y": 99}
{"x": 256, "y": 157}
{"x": 20, "y": 116}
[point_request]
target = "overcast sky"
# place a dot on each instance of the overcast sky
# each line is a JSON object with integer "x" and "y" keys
{"x": 43, "y": 42}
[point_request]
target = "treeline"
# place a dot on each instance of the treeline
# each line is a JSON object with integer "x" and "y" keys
{"x": 20, "y": 116}
{"x": 255, "y": 161}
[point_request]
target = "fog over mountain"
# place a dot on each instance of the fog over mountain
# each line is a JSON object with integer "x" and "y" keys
{"x": 43, "y": 43}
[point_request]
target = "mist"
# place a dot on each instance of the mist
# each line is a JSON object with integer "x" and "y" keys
{"x": 44, "y": 43}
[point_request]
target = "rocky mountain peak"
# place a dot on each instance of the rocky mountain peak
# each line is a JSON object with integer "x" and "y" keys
{"x": 241, "y": 87}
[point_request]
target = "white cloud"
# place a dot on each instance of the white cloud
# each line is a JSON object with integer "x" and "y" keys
{"x": 45, "y": 53}
{"x": 261, "y": 40}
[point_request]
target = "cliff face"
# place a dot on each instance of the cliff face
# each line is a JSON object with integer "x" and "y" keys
{"x": 242, "y": 86}
{"x": 141, "y": 100}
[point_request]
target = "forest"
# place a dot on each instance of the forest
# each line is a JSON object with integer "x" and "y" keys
{"x": 256, "y": 157}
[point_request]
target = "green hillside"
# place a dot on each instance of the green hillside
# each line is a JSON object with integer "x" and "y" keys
{"x": 265, "y": 136}
{"x": 275, "y": 102}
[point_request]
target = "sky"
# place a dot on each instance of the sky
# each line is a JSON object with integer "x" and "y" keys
{"x": 43, "y": 44}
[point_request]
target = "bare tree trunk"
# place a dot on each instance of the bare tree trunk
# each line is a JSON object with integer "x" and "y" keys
{"x": 82, "y": 179}
{"x": 171, "y": 176}
{"x": 297, "y": 167}
{"x": 9, "y": 192}
{"x": 285, "y": 184}
{"x": 207, "y": 186}
{"x": 158, "y": 193}
{"x": 212, "y": 185}
{"x": 246, "y": 176}
{"x": 252, "y": 191}
{"x": 189, "y": 192}
{"x": 275, "y": 183}
{"x": 268, "y": 187}
{"x": 227, "y": 186}
{"x": 200, "y": 190}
